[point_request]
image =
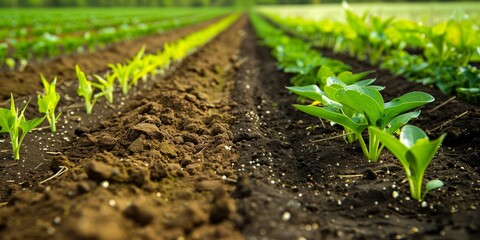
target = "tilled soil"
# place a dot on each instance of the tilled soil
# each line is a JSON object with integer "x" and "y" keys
{"x": 214, "y": 150}
{"x": 63, "y": 67}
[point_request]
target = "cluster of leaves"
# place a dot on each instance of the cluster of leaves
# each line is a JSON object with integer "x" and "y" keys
{"x": 439, "y": 55}
{"x": 293, "y": 54}
{"x": 352, "y": 101}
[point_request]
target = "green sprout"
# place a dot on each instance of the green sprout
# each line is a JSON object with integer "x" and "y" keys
{"x": 16, "y": 126}
{"x": 85, "y": 89}
{"x": 415, "y": 151}
{"x": 106, "y": 86}
{"x": 47, "y": 102}
{"x": 122, "y": 73}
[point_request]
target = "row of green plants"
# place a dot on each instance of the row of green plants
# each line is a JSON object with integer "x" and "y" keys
{"x": 15, "y": 52}
{"x": 123, "y": 75}
{"x": 443, "y": 55}
{"x": 353, "y": 102}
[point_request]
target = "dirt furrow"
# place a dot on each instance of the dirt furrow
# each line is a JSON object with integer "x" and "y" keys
{"x": 159, "y": 169}
{"x": 28, "y": 81}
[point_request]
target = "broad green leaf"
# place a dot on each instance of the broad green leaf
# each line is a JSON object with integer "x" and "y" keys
{"x": 331, "y": 115}
{"x": 324, "y": 73}
{"x": 411, "y": 134}
{"x": 349, "y": 78}
{"x": 421, "y": 154}
{"x": 6, "y": 120}
{"x": 27, "y": 126}
{"x": 311, "y": 91}
{"x": 406, "y": 102}
{"x": 331, "y": 91}
{"x": 431, "y": 185}
{"x": 366, "y": 101}
{"x": 335, "y": 81}
{"x": 399, "y": 121}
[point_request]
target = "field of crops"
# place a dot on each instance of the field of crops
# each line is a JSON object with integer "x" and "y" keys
{"x": 272, "y": 123}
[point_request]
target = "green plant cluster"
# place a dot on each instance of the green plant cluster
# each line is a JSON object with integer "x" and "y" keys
{"x": 139, "y": 67}
{"x": 293, "y": 54}
{"x": 49, "y": 41}
{"x": 440, "y": 55}
{"x": 352, "y": 101}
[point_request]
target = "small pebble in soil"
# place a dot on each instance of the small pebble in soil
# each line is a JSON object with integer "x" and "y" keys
{"x": 57, "y": 220}
{"x": 286, "y": 216}
{"x": 158, "y": 194}
{"x": 50, "y": 230}
{"x": 339, "y": 202}
{"x": 424, "y": 204}
{"x": 105, "y": 184}
{"x": 395, "y": 194}
{"x": 112, "y": 203}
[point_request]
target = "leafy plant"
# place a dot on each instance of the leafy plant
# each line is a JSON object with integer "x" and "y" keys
{"x": 122, "y": 73}
{"x": 47, "y": 102}
{"x": 15, "y": 124}
{"x": 360, "y": 105}
{"x": 415, "y": 151}
{"x": 105, "y": 85}
{"x": 85, "y": 89}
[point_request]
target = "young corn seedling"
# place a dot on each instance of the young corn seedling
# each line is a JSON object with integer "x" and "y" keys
{"x": 358, "y": 106}
{"x": 15, "y": 124}
{"x": 415, "y": 151}
{"x": 85, "y": 89}
{"x": 47, "y": 102}
{"x": 122, "y": 73}
{"x": 106, "y": 86}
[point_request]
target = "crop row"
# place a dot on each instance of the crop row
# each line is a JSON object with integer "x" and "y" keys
{"x": 92, "y": 88}
{"x": 353, "y": 102}
{"x": 443, "y": 55}
{"x": 17, "y": 52}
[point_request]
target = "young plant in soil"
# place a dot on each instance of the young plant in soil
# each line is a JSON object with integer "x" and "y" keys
{"x": 15, "y": 124}
{"x": 85, "y": 89}
{"x": 415, "y": 151}
{"x": 122, "y": 73}
{"x": 47, "y": 102}
{"x": 106, "y": 86}
{"x": 358, "y": 106}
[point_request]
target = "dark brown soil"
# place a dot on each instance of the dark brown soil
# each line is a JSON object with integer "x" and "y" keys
{"x": 214, "y": 150}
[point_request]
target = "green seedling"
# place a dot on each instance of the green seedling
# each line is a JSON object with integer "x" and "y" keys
{"x": 360, "y": 105}
{"x": 47, "y": 102}
{"x": 15, "y": 124}
{"x": 106, "y": 86}
{"x": 122, "y": 73}
{"x": 415, "y": 151}
{"x": 10, "y": 62}
{"x": 85, "y": 89}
